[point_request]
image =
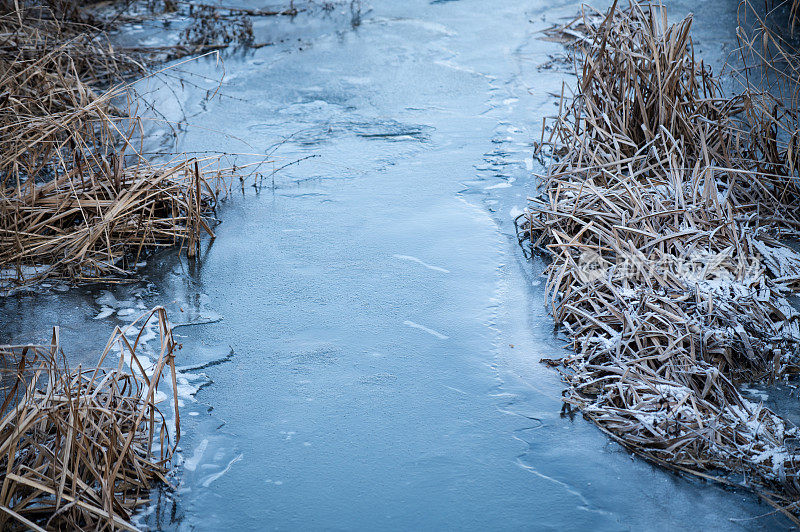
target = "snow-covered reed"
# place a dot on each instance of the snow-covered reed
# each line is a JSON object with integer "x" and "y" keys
{"x": 661, "y": 212}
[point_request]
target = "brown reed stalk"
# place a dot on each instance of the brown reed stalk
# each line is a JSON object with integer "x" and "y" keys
{"x": 660, "y": 212}
{"x": 77, "y": 201}
{"x": 77, "y": 446}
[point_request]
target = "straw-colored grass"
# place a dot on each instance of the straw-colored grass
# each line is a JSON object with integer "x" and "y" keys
{"x": 660, "y": 212}
{"x": 77, "y": 201}
{"x": 90, "y": 225}
{"x": 81, "y": 449}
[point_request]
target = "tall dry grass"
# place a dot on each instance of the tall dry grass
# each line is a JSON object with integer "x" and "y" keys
{"x": 662, "y": 211}
{"x": 81, "y": 448}
{"x": 77, "y": 199}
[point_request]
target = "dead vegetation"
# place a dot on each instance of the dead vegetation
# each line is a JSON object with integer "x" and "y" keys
{"x": 82, "y": 448}
{"x": 209, "y": 27}
{"x": 77, "y": 200}
{"x": 92, "y": 226}
{"x": 661, "y": 212}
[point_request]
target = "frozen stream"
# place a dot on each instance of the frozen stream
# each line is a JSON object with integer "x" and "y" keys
{"x": 376, "y": 362}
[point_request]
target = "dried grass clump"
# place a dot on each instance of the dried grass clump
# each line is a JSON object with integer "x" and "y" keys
{"x": 77, "y": 201}
{"x": 95, "y": 224}
{"x": 51, "y": 113}
{"x": 210, "y": 27}
{"x": 660, "y": 211}
{"x": 82, "y": 448}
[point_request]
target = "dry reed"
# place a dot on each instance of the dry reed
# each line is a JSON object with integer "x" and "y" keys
{"x": 77, "y": 201}
{"x": 82, "y": 448}
{"x": 660, "y": 211}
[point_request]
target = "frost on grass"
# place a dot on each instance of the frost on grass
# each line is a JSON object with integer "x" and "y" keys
{"x": 661, "y": 211}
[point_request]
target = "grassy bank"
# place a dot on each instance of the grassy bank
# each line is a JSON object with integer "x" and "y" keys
{"x": 78, "y": 200}
{"x": 663, "y": 212}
